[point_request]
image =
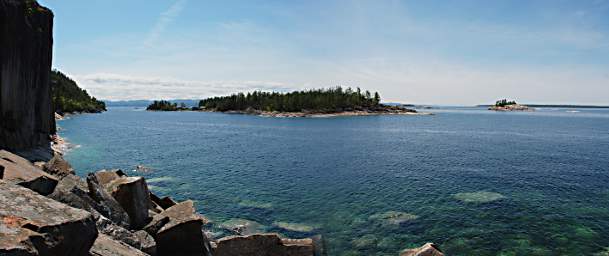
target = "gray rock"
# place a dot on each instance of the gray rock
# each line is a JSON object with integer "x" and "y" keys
{"x": 104, "y": 177}
{"x": 263, "y": 245}
{"x": 164, "y": 202}
{"x": 429, "y": 249}
{"x": 178, "y": 230}
{"x": 18, "y": 170}
{"x": 105, "y": 203}
{"x": 138, "y": 239}
{"x": 34, "y": 224}
{"x": 133, "y": 196}
{"x": 106, "y": 246}
{"x": 58, "y": 167}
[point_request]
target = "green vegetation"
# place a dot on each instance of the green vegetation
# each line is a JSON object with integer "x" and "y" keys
{"x": 321, "y": 100}
{"x": 504, "y": 102}
{"x": 69, "y": 98}
{"x": 163, "y": 105}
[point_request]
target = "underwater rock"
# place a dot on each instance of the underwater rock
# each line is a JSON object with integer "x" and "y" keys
{"x": 478, "y": 197}
{"x": 393, "y": 217}
{"x": 296, "y": 227}
{"x": 429, "y": 249}
{"x": 243, "y": 226}
{"x": 263, "y": 245}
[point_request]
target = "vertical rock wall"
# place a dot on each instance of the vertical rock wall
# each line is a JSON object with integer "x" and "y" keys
{"x": 26, "y": 42}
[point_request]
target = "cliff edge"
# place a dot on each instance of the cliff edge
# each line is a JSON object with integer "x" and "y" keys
{"x": 26, "y": 44}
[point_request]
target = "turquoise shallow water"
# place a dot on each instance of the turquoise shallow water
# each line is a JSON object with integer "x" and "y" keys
{"x": 473, "y": 181}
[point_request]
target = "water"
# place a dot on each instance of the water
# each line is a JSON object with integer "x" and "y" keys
{"x": 473, "y": 181}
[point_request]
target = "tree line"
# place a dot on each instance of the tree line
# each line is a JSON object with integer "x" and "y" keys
{"x": 328, "y": 100}
{"x": 504, "y": 102}
{"x": 68, "y": 97}
{"x": 163, "y": 105}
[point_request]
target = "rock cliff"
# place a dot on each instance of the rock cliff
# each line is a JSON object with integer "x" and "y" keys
{"x": 26, "y": 42}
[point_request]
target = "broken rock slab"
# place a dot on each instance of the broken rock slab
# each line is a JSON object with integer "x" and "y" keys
{"x": 34, "y": 224}
{"x": 263, "y": 245}
{"x": 106, "y": 246}
{"x": 20, "y": 171}
{"x": 133, "y": 196}
{"x": 178, "y": 231}
{"x": 58, "y": 167}
{"x": 140, "y": 239}
{"x": 429, "y": 249}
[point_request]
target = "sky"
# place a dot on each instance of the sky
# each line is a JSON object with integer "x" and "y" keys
{"x": 462, "y": 52}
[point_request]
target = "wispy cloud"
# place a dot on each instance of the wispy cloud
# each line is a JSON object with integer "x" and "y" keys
{"x": 105, "y": 86}
{"x": 163, "y": 21}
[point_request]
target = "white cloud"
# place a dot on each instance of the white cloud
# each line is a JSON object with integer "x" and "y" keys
{"x": 121, "y": 87}
{"x": 164, "y": 20}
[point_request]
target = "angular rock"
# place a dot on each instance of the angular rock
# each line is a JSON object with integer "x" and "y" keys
{"x": 58, "y": 167}
{"x": 138, "y": 239}
{"x": 164, "y": 202}
{"x": 429, "y": 249}
{"x": 106, "y": 246}
{"x": 104, "y": 176}
{"x": 133, "y": 196}
{"x": 105, "y": 203}
{"x": 32, "y": 223}
{"x": 263, "y": 245}
{"x": 178, "y": 230}
{"x": 18, "y": 170}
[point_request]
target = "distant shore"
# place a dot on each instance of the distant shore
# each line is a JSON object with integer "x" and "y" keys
{"x": 320, "y": 114}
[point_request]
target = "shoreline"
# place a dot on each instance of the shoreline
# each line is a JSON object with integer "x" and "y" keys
{"x": 301, "y": 114}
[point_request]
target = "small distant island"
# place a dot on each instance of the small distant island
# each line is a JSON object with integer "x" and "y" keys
{"x": 505, "y": 105}
{"x": 310, "y": 103}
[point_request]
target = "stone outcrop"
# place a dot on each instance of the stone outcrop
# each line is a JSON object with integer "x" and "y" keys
{"x": 429, "y": 249}
{"x": 106, "y": 246}
{"x": 133, "y": 196}
{"x": 179, "y": 230}
{"x": 32, "y": 224}
{"x": 140, "y": 239}
{"x": 18, "y": 170}
{"x": 26, "y": 40}
{"x": 263, "y": 245}
{"x": 58, "y": 167}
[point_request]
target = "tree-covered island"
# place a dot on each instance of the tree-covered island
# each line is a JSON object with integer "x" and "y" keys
{"x": 505, "y": 105}
{"x": 331, "y": 101}
{"x": 164, "y": 105}
{"x": 69, "y": 98}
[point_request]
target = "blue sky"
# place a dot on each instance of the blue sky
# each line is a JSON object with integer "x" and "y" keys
{"x": 429, "y": 52}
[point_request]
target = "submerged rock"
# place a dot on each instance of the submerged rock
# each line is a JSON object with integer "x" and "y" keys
{"x": 393, "y": 217}
{"x": 479, "y": 197}
{"x": 20, "y": 171}
{"x": 429, "y": 249}
{"x": 243, "y": 226}
{"x": 31, "y": 223}
{"x": 263, "y": 245}
{"x": 296, "y": 227}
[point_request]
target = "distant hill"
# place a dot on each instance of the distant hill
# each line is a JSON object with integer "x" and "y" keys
{"x": 69, "y": 98}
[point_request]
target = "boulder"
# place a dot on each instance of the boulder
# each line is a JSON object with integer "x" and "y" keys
{"x": 34, "y": 224}
{"x": 104, "y": 176}
{"x": 105, "y": 203}
{"x": 263, "y": 245}
{"x": 178, "y": 230}
{"x": 133, "y": 196}
{"x": 106, "y": 246}
{"x": 429, "y": 249}
{"x": 138, "y": 239}
{"x": 18, "y": 170}
{"x": 58, "y": 167}
{"x": 164, "y": 202}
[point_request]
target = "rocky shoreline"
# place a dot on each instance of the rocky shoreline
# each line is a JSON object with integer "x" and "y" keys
{"x": 318, "y": 114}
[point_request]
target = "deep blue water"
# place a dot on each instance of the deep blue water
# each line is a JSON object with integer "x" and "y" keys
{"x": 475, "y": 182}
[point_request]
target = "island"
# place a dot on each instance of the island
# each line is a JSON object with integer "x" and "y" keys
{"x": 505, "y": 105}
{"x": 164, "y": 105}
{"x": 334, "y": 101}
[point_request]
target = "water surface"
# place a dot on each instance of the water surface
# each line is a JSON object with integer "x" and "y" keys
{"x": 475, "y": 182}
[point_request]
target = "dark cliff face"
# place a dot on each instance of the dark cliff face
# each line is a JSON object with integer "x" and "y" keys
{"x": 26, "y": 41}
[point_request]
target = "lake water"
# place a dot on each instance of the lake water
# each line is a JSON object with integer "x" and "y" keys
{"x": 473, "y": 181}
